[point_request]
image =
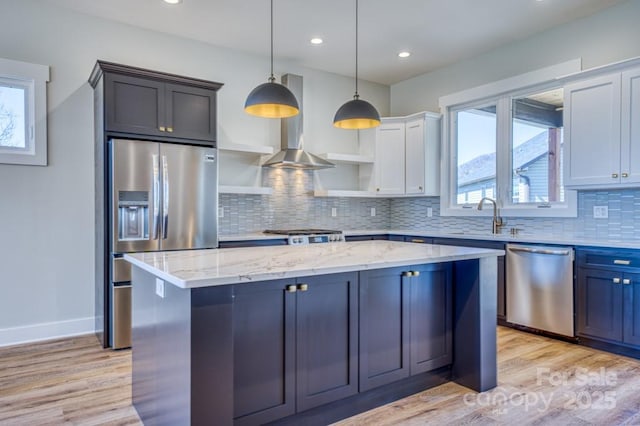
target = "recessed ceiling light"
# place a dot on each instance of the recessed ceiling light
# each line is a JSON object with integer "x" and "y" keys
{"x": 173, "y": 1}
{"x": 317, "y": 40}
{"x": 404, "y": 54}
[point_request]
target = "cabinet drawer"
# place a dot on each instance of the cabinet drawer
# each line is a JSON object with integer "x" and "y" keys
{"x": 627, "y": 259}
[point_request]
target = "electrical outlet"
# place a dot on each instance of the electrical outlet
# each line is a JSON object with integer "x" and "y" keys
{"x": 160, "y": 287}
{"x": 601, "y": 212}
{"x": 220, "y": 211}
{"x": 429, "y": 212}
{"x": 373, "y": 211}
{"x": 334, "y": 212}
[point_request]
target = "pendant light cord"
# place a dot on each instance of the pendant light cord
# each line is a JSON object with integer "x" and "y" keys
{"x": 272, "y": 78}
{"x": 356, "y": 96}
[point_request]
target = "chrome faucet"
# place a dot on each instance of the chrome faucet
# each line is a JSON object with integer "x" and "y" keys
{"x": 497, "y": 220}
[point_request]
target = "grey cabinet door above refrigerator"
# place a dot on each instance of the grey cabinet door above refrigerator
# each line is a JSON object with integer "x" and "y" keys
{"x": 135, "y": 197}
{"x": 189, "y": 197}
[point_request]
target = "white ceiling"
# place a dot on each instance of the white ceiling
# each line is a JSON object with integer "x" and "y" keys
{"x": 436, "y": 32}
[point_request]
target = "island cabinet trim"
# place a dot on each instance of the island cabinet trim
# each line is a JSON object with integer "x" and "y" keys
{"x": 184, "y": 346}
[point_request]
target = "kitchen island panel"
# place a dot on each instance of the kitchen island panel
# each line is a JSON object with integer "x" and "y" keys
{"x": 188, "y": 343}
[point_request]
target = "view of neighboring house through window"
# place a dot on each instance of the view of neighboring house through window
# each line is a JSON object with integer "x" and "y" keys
{"x": 13, "y": 122}
{"x": 536, "y": 148}
{"x": 476, "y": 137}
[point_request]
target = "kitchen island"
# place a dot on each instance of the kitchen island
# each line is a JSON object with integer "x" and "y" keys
{"x": 307, "y": 334}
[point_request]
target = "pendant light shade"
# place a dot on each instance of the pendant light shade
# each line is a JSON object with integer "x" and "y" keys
{"x": 356, "y": 113}
{"x": 271, "y": 100}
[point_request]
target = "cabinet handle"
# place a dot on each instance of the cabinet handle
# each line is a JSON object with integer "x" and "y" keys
{"x": 625, "y": 175}
{"x": 377, "y": 189}
{"x": 162, "y": 128}
{"x": 303, "y": 287}
{"x": 616, "y": 280}
{"x": 621, "y": 262}
{"x": 291, "y": 288}
{"x": 420, "y": 188}
{"x": 626, "y": 281}
{"x": 407, "y": 274}
{"x": 170, "y": 129}
{"x": 416, "y": 273}
{"x": 614, "y": 175}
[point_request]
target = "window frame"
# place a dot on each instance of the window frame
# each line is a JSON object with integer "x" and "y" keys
{"x": 501, "y": 94}
{"x": 33, "y": 78}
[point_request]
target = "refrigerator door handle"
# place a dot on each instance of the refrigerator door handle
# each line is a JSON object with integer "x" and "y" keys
{"x": 165, "y": 196}
{"x": 156, "y": 198}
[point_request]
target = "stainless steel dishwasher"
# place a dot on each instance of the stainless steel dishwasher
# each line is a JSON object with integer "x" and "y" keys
{"x": 540, "y": 287}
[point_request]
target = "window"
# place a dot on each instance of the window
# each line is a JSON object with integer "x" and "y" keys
{"x": 476, "y": 138}
{"x": 507, "y": 147}
{"x": 536, "y": 148}
{"x": 23, "y": 129}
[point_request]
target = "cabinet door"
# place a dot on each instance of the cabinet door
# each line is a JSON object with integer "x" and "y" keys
{"x": 415, "y": 157}
{"x": 263, "y": 352}
{"x": 630, "y": 148}
{"x": 431, "y": 317}
{"x": 327, "y": 339}
{"x": 592, "y": 129}
{"x": 632, "y": 309}
{"x": 191, "y": 112}
{"x": 384, "y": 331}
{"x": 390, "y": 163}
{"x": 134, "y": 105}
{"x": 599, "y": 306}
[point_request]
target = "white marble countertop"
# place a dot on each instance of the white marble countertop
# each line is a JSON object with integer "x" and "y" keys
{"x": 203, "y": 268}
{"x": 520, "y": 238}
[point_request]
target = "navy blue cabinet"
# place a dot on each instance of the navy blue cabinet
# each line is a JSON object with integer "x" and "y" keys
{"x": 253, "y": 243}
{"x": 405, "y": 322}
{"x": 295, "y": 345}
{"x": 366, "y": 237}
{"x": 608, "y": 296}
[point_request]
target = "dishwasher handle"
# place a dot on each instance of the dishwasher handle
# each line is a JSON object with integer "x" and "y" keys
{"x": 540, "y": 251}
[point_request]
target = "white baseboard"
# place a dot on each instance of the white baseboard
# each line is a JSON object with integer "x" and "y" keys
{"x": 46, "y": 331}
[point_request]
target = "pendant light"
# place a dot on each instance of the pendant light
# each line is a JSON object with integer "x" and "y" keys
{"x": 356, "y": 113}
{"x": 271, "y": 100}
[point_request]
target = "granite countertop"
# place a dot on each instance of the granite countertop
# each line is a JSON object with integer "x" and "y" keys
{"x": 203, "y": 268}
{"x": 520, "y": 238}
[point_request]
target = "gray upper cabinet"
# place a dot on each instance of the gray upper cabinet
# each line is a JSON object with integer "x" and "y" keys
{"x": 154, "y": 105}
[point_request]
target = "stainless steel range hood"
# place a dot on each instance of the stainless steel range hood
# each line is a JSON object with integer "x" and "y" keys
{"x": 292, "y": 155}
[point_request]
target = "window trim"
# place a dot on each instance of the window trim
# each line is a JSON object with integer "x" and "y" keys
{"x": 500, "y": 93}
{"x": 34, "y": 78}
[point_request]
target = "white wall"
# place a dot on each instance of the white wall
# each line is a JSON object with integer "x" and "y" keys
{"x": 46, "y": 213}
{"x": 609, "y": 36}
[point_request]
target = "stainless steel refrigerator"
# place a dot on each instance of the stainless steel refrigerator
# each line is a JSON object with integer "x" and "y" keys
{"x": 161, "y": 196}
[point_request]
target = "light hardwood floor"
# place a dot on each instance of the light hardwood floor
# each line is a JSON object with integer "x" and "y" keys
{"x": 541, "y": 381}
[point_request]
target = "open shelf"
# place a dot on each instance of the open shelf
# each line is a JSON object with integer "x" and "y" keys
{"x": 253, "y": 190}
{"x": 248, "y": 149}
{"x": 347, "y": 158}
{"x": 343, "y": 193}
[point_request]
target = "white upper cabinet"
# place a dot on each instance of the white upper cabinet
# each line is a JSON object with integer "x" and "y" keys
{"x": 630, "y": 146}
{"x": 408, "y": 156}
{"x": 602, "y": 122}
{"x": 390, "y": 159}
